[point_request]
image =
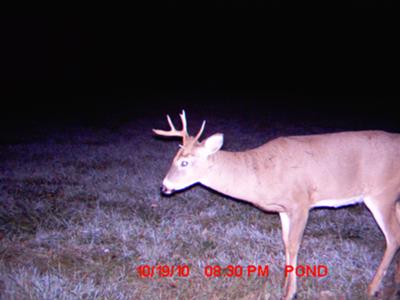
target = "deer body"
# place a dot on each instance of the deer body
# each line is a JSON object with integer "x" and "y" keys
{"x": 291, "y": 175}
{"x": 322, "y": 170}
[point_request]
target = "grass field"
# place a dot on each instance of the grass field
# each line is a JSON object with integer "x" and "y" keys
{"x": 80, "y": 211}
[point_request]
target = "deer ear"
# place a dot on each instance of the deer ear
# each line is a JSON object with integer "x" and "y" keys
{"x": 213, "y": 143}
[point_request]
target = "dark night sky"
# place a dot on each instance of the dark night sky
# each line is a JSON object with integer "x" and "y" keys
{"x": 118, "y": 62}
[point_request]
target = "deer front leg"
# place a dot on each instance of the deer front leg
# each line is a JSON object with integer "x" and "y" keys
{"x": 293, "y": 225}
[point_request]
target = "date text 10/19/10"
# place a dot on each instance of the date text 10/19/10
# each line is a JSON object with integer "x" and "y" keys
{"x": 149, "y": 271}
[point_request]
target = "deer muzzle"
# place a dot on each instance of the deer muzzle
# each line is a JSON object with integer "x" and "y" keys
{"x": 166, "y": 190}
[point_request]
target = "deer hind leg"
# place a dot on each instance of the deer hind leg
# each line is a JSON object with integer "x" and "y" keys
{"x": 293, "y": 225}
{"x": 383, "y": 208}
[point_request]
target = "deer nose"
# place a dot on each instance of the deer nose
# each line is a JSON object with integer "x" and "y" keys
{"x": 166, "y": 190}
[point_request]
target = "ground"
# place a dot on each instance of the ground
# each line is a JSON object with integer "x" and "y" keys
{"x": 80, "y": 211}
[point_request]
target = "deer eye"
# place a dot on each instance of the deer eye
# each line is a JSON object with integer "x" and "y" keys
{"x": 184, "y": 163}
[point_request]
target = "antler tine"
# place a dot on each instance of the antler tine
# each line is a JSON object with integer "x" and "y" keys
{"x": 201, "y": 130}
{"x": 170, "y": 123}
{"x": 184, "y": 124}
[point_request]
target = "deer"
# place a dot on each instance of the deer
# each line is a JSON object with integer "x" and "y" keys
{"x": 292, "y": 175}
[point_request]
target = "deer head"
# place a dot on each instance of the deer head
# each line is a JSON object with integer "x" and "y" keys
{"x": 191, "y": 162}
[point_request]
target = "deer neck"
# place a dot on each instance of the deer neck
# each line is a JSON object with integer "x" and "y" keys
{"x": 240, "y": 175}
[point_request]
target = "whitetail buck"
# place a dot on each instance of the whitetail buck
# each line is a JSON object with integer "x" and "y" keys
{"x": 291, "y": 175}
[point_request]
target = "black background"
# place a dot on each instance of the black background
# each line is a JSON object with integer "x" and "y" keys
{"x": 58, "y": 70}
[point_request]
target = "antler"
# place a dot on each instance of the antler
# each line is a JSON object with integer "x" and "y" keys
{"x": 173, "y": 132}
{"x": 200, "y": 131}
{"x": 183, "y": 132}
